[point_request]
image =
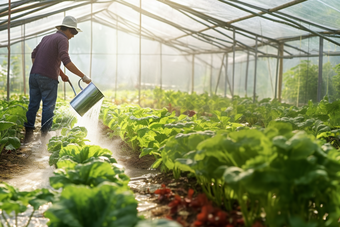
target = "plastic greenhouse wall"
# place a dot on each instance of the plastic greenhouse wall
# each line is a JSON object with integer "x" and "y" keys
{"x": 162, "y": 63}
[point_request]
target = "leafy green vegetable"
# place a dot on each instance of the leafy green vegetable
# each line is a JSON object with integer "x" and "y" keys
{"x": 157, "y": 223}
{"x": 104, "y": 205}
{"x": 92, "y": 174}
{"x": 12, "y": 200}
{"x": 85, "y": 153}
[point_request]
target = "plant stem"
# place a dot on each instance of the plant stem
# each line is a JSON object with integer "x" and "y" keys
{"x": 243, "y": 204}
{"x": 4, "y": 217}
{"x": 216, "y": 193}
{"x": 227, "y": 202}
{"x": 1, "y": 147}
{"x": 29, "y": 220}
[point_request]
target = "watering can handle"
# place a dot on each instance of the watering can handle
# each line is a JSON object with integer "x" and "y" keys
{"x": 79, "y": 84}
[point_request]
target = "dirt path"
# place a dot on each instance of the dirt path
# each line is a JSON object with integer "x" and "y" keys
{"x": 28, "y": 169}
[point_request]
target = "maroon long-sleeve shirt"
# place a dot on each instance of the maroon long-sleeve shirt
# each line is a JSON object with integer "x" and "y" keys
{"x": 50, "y": 52}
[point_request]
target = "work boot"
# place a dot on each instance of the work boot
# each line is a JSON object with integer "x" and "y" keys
{"x": 28, "y": 135}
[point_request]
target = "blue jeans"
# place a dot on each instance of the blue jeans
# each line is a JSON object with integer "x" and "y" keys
{"x": 45, "y": 89}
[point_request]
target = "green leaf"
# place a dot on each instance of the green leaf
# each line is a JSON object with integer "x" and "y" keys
{"x": 155, "y": 126}
{"x": 312, "y": 176}
{"x": 91, "y": 174}
{"x": 301, "y": 146}
{"x": 41, "y": 197}
{"x": 179, "y": 125}
{"x": 66, "y": 163}
{"x": 10, "y": 147}
{"x": 141, "y": 132}
{"x": 281, "y": 142}
{"x": 82, "y": 154}
{"x": 296, "y": 221}
{"x": 156, "y": 164}
{"x": 16, "y": 110}
{"x": 181, "y": 144}
{"x": 12, "y": 143}
{"x": 6, "y": 125}
{"x": 145, "y": 151}
{"x": 105, "y": 205}
{"x": 54, "y": 157}
{"x": 6, "y": 191}
{"x": 10, "y": 206}
{"x": 13, "y": 200}
{"x": 158, "y": 223}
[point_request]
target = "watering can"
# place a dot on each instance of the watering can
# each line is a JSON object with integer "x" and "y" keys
{"x": 85, "y": 99}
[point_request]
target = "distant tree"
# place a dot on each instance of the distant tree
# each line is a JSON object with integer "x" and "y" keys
{"x": 328, "y": 73}
{"x": 336, "y": 82}
{"x": 300, "y": 83}
{"x": 16, "y": 80}
{"x": 3, "y": 79}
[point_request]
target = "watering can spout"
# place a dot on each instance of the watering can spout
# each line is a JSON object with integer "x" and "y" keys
{"x": 85, "y": 99}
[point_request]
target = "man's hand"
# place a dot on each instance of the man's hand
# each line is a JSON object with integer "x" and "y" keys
{"x": 86, "y": 79}
{"x": 64, "y": 78}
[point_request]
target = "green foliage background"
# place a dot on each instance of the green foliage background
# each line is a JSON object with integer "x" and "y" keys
{"x": 301, "y": 82}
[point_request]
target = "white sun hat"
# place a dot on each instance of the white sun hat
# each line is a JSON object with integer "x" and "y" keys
{"x": 69, "y": 22}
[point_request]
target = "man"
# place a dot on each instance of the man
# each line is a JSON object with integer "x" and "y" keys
{"x": 43, "y": 80}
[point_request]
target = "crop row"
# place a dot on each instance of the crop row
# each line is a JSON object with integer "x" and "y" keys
{"x": 279, "y": 161}
{"x": 12, "y": 118}
{"x": 88, "y": 188}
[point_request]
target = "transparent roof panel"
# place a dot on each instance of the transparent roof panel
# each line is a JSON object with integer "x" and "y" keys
{"x": 312, "y": 45}
{"x": 324, "y": 12}
{"x": 267, "y": 28}
{"x": 179, "y": 22}
{"x": 267, "y": 4}
{"x": 41, "y": 25}
{"x": 125, "y": 12}
{"x": 153, "y": 25}
{"x": 224, "y": 36}
{"x": 195, "y": 43}
{"x": 170, "y": 14}
{"x": 241, "y": 37}
{"x": 161, "y": 29}
{"x": 268, "y": 49}
{"x": 214, "y": 8}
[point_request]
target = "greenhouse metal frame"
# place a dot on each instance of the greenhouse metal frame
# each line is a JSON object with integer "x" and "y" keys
{"x": 193, "y": 28}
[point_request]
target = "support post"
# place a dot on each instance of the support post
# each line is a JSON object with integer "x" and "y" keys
{"x": 233, "y": 78}
{"x": 280, "y": 71}
{"x": 277, "y": 70}
{"x": 247, "y": 71}
{"x": 9, "y": 48}
{"x": 219, "y": 73}
{"x": 64, "y": 85}
{"x": 140, "y": 52}
{"x": 64, "y": 72}
{"x": 320, "y": 69}
{"x": 116, "y": 76}
{"x": 160, "y": 66}
{"x": 211, "y": 73}
{"x": 90, "y": 74}
{"x": 255, "y": 71}
{"x": 226, "y": 77}
{"x": 23, "y": 63}
{"x": 193, "y": 74}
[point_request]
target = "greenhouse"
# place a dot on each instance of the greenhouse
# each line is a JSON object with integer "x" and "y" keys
{"x": 192, "y": 113}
